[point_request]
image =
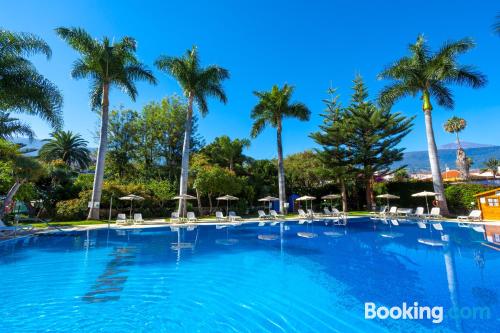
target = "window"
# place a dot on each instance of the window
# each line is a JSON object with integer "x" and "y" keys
{"x": 493, "y": 202}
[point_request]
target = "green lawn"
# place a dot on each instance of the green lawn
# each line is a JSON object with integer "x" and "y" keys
{"x": 69, "y": 223}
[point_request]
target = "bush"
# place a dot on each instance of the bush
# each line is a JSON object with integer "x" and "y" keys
{"x": 461, "y": 198}
{"x": 73, "y": 209}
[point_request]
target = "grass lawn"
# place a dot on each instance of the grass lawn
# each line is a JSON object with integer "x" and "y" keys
{"x": 358, "y": 213}
{"x": 69, "y": 223}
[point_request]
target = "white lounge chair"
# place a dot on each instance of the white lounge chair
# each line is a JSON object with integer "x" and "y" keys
{"x": 234, "y": 217}
{"x": 263, "y": 215}
{"x": 276, "y": 215}
{"x": 138, "y": 218}
{"x": 404, "y": 212}
{"x": 303, "y": 214}
{"x": 475, "y": 215}
{"x": 381, "y": 212}
{"x": 191, "y": 217}
{"x": 434, "y": 214}
{"x": 314, "y": 214}
{"x": 419, "y": 212}
{"x": 121, "y": 219}
{"x": 393, "y": 211}
{"x": 175, "y": 217}
{"x": 219, "y": 216}
{"x": 337, "y": 213}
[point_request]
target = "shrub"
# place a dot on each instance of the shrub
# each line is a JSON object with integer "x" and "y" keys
{"x": 461, "y": 198}
{"x": 73, "y": 209}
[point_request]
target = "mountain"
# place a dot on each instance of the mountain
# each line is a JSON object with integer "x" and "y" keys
{"x": 35, "y": 144}
{"x": 465, "y": 145}
{"x": 419, "y": 160}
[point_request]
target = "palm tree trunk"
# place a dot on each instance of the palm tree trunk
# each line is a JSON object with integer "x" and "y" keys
{"x": 434, "y": 162}
{"x": 281, "y": 172}
{"x": 101, "y": 156}
{"x": 8, "y": 198}
{"x": 344, "y": 195}
{"x": 185, "y": 155}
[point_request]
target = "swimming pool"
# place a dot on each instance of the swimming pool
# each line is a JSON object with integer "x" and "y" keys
{"x": 248, "y": 278}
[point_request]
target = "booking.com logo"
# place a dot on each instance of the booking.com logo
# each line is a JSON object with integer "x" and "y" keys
{"x": 418, "y": 312}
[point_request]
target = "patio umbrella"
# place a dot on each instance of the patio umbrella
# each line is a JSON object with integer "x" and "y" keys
{"x": 331, "y": 197}
{"x": 228, "y": 198}
{"x": 131, "y": 198}
{"x": 184, "y": 197}
{"x": 268, "y": 199}
{"x": 306, "y": 198}
{"x": 388, "y": 197}
{"x": 425, "y": 194}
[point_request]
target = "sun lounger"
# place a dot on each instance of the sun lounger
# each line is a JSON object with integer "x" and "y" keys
{"x": 475, "y": 215}
{"x": 381, "y": 212}
{"x": 276, "y": 215}
{"x": 419, "y": 212}
{"x": 393, "y": 211}
{"x": 263, "y": 215}
{"x": 303, "y": 214}
{"x": 175, "y": 217}
{"x": 121, "y": 219}
{"x": 234, "y": 217}
{"x": 191, "y": 217}
{"x": 219, "y": 216}
{"x": 434, "y": 214}
{"x": 138, "y": 218}
{"x": 405, "y": 212}
{"x": 314, "y": 214}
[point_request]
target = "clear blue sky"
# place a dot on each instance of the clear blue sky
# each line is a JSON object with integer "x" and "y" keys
{"x": 309, "y": 44}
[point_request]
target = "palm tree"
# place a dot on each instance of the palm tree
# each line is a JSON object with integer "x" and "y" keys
{"x": 106, "y": 64}
{"x": 429, "y": 74}
{"x": 66, "y": 146}
{"x": 456, "y": 125}
{"x": 197, "y": 83}
{"x": 491, "y": 165}
{"x": 496, "y": 25}
{"x": 22, "y": 88}
{"x": 272, "y": 108}
{"x": 10, "y": 127}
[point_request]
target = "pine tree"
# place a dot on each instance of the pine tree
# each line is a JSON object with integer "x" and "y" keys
{"x": 331, "y": 137}
{"x": 374, "y": 134}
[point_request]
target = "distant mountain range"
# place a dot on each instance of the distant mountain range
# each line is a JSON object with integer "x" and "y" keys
{"x": 465, "y": 145}
{"x": 419, "y": 160}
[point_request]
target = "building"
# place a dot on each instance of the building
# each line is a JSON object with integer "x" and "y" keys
{"x": 489, "y": 203}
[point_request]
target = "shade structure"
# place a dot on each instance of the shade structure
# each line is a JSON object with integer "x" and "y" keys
{"x": 268, "y": 199}
{"x": 331, "y": 197}
{"x": 306, "y": 198}
{"x": 387, "y": 196}
{"x": 425, "y": 194}
{"x": 131, "y": 198}
{"x": 228, "y": 198}
{"x": 184, "y": 197}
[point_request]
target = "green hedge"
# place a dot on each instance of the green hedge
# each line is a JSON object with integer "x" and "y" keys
{"x": 461, "y": 198}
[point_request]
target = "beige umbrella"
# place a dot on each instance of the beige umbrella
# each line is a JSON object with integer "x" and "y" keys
{"x": 331, "y": 197}
{"x": 425, "y": 194}
{"x": 306, "y": 198}
{"x": 268, "y": 199}
{"x": 131, "y": 198}
{"x": 184, "y": 197}
{"x": 388, "y": 197}
{"x": 228, "y": 198}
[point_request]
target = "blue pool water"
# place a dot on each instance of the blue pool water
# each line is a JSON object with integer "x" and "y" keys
{"x": 249, "y": 278}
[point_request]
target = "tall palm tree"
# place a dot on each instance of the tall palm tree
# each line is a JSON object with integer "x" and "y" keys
{"x": 66, "y": 146}
{"x": 457, "y": 125}
{"x": 197, "y": 83}
{"x": 10, "y": 127}
{"x": 428, "y": 74}
{"x": 272, "y": 108}
{"x": 22, "y": 88}
{"x": 106, "y": 64}
{"x": 496, "y": 25}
